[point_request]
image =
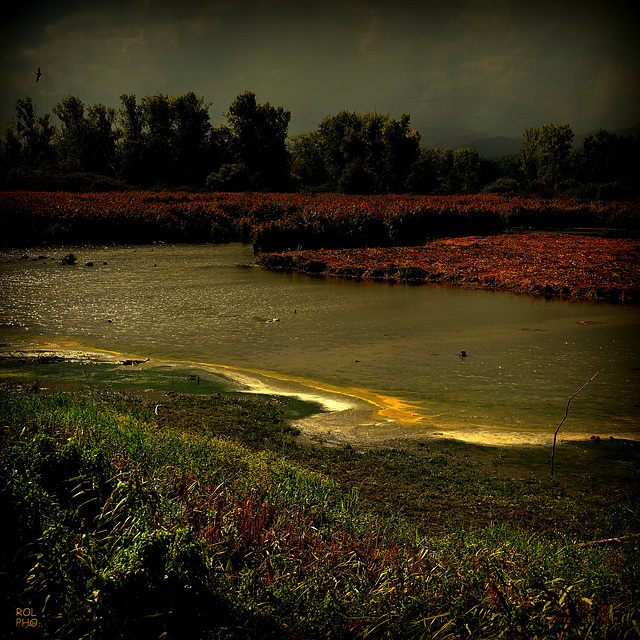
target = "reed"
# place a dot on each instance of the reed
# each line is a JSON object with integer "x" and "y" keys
{"x": 278, "y": 222}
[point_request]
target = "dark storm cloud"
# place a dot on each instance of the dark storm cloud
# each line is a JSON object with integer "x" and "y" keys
{"x": 482, "y": 65}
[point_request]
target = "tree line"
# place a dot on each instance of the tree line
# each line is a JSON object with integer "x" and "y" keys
{"x": 167, "y": 141}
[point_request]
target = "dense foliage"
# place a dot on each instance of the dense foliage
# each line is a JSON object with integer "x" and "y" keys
{"x": 135, "y": 522}
{"x": 169, "y": 141}
{"x": 279, "y": 222}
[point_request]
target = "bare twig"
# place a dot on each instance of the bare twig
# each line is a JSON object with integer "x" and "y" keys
{"x": 566, "y": 413}
{"x": 607, "y": 541}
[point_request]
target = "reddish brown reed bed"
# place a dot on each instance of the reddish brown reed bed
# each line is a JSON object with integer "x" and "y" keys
{"x": 567, "y": 266}
{"x": 277, "y": 222}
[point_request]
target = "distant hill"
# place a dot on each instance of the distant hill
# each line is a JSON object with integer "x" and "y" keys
{"x": 452, "y": 138}
{"x": 496, "y": 146}
{"x": 628, "y": 131}
{"x": 489, "y": 147}
{"x": 446, "y": 137}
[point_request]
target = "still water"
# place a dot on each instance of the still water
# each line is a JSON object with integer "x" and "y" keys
{"x": 394, "y": 347}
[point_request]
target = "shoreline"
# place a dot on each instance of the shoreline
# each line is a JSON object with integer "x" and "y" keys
{"x": 334, "y": 416}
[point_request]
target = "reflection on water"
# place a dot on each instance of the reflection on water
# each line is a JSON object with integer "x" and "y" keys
{"x": 395, "y": 347}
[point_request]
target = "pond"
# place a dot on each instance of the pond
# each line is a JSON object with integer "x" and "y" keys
{"x": 387, "y": 355}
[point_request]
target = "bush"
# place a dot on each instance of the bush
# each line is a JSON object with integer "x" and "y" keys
{"x": 275, "y": 261}
{"x": 572, "y": 189}
{"x": 76, "y": 183}
{"x": 357, "y": 179}
{"x": 412, "y": 274}
{"x": 502, "y": 185}
{"x": 103, "y": 184}
{"x": 314, "y": 267}
{"x": 540, "y": 188}
{"x": 231, "y": 177}
{"x": 614, "y": 191}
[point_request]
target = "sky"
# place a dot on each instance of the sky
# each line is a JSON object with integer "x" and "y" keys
{"x": 475, "y": 68}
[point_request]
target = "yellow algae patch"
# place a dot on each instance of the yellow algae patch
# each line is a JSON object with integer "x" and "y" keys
{"x": 64, "y": 343}
{"x": 332, "y": 397}
{"x": 68, "y": 346}
{"x": 389, "y": 407}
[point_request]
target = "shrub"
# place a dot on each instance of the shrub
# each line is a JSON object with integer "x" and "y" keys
{"x": 231, "y": 177}
{"x": 357, "y": 179}
{"x": 612, "y": 191}
{"x": 275, "y": 261}
{"x": 76, "y": 183}
{"x": 314, "y": 267}
{"x": 412, "y": 274}
{"x": 503, "y": 186}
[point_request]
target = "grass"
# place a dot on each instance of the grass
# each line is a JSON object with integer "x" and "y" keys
{"x": 206, "y": 519}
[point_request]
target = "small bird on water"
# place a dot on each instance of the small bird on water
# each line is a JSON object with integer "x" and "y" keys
{"x": 38, "y": 74}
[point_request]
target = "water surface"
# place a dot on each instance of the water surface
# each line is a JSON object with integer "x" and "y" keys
{"x": 396, "y": 347}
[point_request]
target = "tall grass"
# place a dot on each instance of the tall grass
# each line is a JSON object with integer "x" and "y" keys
{"x": 130, "y": 527}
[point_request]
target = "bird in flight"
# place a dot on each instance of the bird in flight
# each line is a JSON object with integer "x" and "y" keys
{"x": 37, "y": 74}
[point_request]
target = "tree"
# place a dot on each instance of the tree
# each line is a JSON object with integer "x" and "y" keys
{"x": 164, "y": 139}
{"x": 423, "y": 177}
{"x": 529, "y": 153}
{"x": 307, "y": 163}
{"x": 169, "y": 140}
{"x": 73, "y": 137}
{"x": 157, "y": 137}
{"x": 131, "y": 165}
{"x": 102, "y": 138}
{"x": 608, "y": 157}
{"x": 341, "y": 141}
{"x": 545, "y": 153}
{"x": 10, "y": 157}
{"x": 353, "y": 150}
{"x": 31, "y": 146}
{"x": 555, "y": 147}
{"x": 401, "y": 146}
{"x": 191, "y": 129}
{"x": 357, "y": 178}
{"x": 470, "y": 171}
{"x": 256, "y": 141}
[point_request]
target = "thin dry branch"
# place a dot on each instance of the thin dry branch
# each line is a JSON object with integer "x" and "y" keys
{"x": 606, "y": 541}
{"x": 566, "y": 413}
